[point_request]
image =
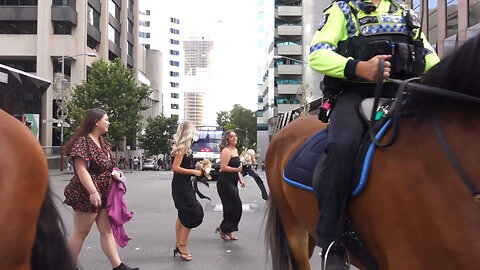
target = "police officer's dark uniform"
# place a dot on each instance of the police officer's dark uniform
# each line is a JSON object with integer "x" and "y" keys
{"x": 351, "y": 32}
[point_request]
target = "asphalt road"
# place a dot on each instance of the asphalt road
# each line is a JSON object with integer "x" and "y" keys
{"x": 153, "y": 233}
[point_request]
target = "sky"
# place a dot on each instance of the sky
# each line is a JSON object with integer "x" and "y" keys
{"x": 232, "y": 25}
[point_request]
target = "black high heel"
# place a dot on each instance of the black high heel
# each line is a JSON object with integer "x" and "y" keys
{"x": 184, "y": 256}
{"x": 222, "y": 234}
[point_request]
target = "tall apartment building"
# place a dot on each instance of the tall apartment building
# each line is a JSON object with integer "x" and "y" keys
{"x": 197, "y": 52}
{"x": 35, "y": 34}
{"x": 161, "y": 30}
{"x": 195, "y": 107}
{"x": 295, "y": 24}
{"x": 265, "y": 73}
{"x": 144, "y": 30}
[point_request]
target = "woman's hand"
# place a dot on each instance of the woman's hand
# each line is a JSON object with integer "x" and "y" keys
{"x": 197, "y": 173}
{"x": 242, "y": 184}
{"x": 117, "y": 175}
{"x": 95, "y": 199}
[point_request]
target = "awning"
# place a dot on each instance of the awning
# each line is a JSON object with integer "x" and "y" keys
{"x": 21, "y": 92}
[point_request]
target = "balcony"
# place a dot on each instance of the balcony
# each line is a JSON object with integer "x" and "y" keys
{"x": 288, "y": 70}
{"x": 288, "y": 30}
{"x": 288, "y": 50}
{"x": 283, "y": 108}
{"x": 288, "y": 89}
{"x": 288, "y": 11}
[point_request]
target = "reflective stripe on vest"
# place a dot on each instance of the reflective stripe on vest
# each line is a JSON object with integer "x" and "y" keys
{"x": 320, "y": 46}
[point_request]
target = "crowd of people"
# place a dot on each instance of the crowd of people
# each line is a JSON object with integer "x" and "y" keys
{"x": 95, "y": 173}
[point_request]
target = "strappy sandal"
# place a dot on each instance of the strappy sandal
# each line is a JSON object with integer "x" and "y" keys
{"x": 231, "y": 236}
{"x": 184, "y": 256}
{"x": 222, "y": 234}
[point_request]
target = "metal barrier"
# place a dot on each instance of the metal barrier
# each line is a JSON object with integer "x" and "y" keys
{"x": 51, "y": 151}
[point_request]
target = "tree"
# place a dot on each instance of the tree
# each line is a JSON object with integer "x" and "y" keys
{"x": 158, "y": 135}
{"x": 111, "y": 86}
{"x": 243, "y": 122}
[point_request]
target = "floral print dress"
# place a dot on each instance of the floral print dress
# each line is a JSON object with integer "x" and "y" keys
{"x": 99, "y": 165}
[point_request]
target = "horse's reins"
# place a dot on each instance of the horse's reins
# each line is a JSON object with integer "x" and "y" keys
{"x": 395, "y": 111}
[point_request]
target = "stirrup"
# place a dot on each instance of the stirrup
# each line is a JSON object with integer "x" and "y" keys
{"x": 334, "y": 243}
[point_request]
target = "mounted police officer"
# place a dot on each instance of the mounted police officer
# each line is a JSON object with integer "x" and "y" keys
{"x": 347, "y": 47}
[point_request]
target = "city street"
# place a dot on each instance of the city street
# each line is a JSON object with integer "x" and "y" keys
{"x": 153, "y": 234}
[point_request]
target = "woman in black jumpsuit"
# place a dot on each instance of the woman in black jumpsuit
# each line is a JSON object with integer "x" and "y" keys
{"x": 227, "y": 186}
{"x": 190, "y": 211}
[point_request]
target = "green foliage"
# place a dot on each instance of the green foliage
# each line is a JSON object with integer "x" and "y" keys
{"x": 158, "y": 135}
{"x": 243, "y": 122}
{"x": 111, "y": 86}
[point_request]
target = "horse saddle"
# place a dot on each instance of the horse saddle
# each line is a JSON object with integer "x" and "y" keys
{"x": 300, "y": 167}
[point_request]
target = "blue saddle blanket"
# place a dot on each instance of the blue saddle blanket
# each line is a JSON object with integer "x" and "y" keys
{"x": 299, "y": 169}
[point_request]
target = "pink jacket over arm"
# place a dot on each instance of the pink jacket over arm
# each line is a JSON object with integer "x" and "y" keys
{"x": 118, "y": 213}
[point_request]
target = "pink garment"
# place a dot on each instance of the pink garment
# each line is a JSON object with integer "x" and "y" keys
{"x": 118, "y": 213}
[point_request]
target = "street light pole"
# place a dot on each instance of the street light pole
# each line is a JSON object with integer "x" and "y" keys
{"x": 62, "y": 94}
{"x": 246, "y": 136}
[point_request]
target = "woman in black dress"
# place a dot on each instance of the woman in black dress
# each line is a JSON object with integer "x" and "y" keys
{"x": 190, "y": 212}
{"x": 227, "y": 186}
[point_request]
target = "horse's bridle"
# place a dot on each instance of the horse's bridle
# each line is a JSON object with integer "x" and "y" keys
{"x": 395, "y": 113}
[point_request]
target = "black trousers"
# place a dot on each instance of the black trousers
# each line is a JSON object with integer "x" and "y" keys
{"x": 247, "y": 170}
{"x": 345, "y": 133}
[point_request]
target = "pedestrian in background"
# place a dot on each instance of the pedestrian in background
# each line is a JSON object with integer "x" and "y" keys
{"x": 88, "y": 189}
{"x": 190, "y": 211}
{"x": 227, "y": 186}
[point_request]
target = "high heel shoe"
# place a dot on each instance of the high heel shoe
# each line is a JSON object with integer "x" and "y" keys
{"x": 231, "y": 236}
{"x": 222, "y": 234}
{"x": 184, "y": 256}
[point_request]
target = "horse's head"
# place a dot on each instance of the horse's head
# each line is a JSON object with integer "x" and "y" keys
{"x": 23, "y": 183}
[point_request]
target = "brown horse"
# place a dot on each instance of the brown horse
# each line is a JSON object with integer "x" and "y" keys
{"x": 31, "y": 234}
{"x": 415, "y": 212}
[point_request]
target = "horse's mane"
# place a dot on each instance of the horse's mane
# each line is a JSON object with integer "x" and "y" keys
{"x": 458, "y": 72}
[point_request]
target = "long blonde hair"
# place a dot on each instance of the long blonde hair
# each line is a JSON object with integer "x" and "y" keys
{"x": 182, "y": 140}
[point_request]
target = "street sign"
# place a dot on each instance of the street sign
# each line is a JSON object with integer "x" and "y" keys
{"x": 53, "y": 121}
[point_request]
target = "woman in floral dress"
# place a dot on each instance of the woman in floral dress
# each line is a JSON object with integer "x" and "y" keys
{"x": 87, "y": 191}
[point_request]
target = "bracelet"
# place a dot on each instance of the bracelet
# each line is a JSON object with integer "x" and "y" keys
{"x": 93, "y": 192}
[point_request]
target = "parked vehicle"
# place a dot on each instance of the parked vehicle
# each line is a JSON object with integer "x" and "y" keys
{"x": 207, "y": 147}
{"x": 150, "y": 164}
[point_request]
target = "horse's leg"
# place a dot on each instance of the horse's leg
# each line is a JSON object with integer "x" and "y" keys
{"x": 298, "y": 240}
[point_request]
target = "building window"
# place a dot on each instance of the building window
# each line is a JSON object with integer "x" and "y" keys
{"x": 18, "y": 3}
{"x": 174, "y": 84}
{"x": 144, "y": 35}
{"x": 174, "y": 42}
{"x": 113, "y": 9}
{"x": 113, "y": 35}
{"x": 145, "y": 23}
{"x": 452, "y": 17}
{"x": 62, "y": 28}
{"x": 129, "y": 49}
{"x": 173, "y": 52}
{"x": 62, "y": 3}
{"x": 174, "y": 106}
{"x": 147, "y": 46}
{"x": 175, "y": 95}
{"x": 174, "y": 74}
{"x": 130, "y": 27}
{"x": 129, "y": 4}
{"x": 174, "y": 31}
{"x": 473, "y": 12}
{"x": 174, "y": 20}
{"x": 93, "y": 17}
{"x": 174, "y": 63}
{"x": 18, "y": 27}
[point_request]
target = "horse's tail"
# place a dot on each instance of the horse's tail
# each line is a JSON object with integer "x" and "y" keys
{"x": 276, "y": 239}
